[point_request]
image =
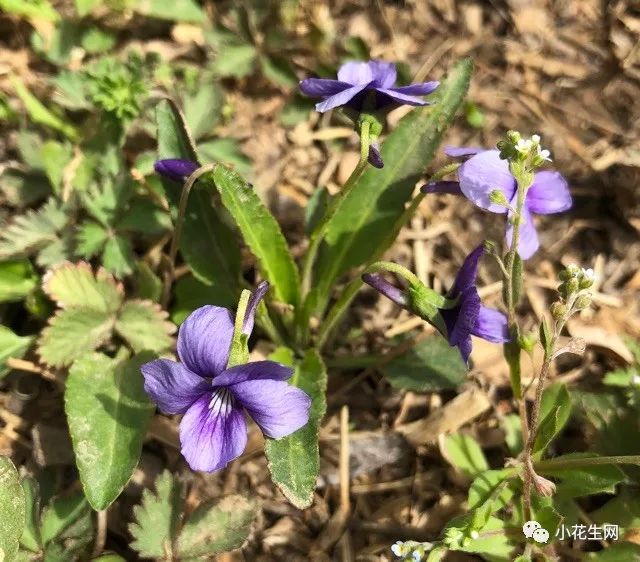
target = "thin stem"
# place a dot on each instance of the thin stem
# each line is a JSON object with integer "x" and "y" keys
{"x": 177, "y": 231}
{"x": 564, "y": 464}
{"x": 321, "y": 229}
{"x": 101, "y": 533}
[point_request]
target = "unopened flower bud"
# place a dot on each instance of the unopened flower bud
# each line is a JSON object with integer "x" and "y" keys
{"x": 582, "y": 302}
{"x": 496, "y": 196}
{"x": 175, "y": 169}
{"x": 572, "y": 286}
{"x": 588, "y": 278}
{"x": 375, "y": 158}
{"x": 543, "y": 486}
{"x": 558, "y": 310}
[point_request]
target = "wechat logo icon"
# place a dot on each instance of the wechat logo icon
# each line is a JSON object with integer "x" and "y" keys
{"x": 533, "y": 530}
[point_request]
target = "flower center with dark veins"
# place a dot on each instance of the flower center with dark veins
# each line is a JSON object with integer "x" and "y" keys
{"x": 221, "y": 402}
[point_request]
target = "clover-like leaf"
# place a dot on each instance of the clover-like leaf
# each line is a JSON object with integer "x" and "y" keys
{"x": 157, "y": 518}
{"x": 219, "y": 527}
{"x": 75, "y": 286}
{"x": 145, "y": 326}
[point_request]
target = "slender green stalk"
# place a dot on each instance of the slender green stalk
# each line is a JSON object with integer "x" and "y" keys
{"x": 550, "y": 465}
{"x": 321, "y": 229}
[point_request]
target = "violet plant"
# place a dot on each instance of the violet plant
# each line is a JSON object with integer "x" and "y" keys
{"x": 125, "y": 345}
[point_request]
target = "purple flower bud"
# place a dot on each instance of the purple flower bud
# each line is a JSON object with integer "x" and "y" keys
{"x": 252, "y": 307}
{"x": 375, "y": 158}
{"x": 175, "y": 169}
{"x": 380, "y": 284}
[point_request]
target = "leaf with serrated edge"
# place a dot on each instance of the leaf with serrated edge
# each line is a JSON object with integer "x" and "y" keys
{"x": 260, "y": 231}
{"x": 294, "y": 460}
{"x": 219, "y": 527}
{"x": 365, "y": 217}
{"x": 75, "y": 285}
{"x": 157, "y": 517}
{"x": 145, "y": 326}
{"x": 61, "y": 513}
{"x": 108, "y": 414}
{"x": 73, "y": 332}
{"x": 12, "y": 508}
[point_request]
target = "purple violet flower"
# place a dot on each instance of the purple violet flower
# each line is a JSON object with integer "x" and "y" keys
{"x": 175, "y": 169}
{"x": 469, "y": 316}
{"x": 485, "y": 172}
{"x": 356, "y": 80}
{"x": 214, "y": 398}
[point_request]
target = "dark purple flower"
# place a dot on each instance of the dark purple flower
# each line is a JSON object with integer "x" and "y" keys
{"x": 214, "y": 398}
{"x": 485, "y": 172}
{"x": 356, "y": 80}
{"x": 469, "y": 317}
{"x": 375, "y": 158}
{"x": 175, "y": 169}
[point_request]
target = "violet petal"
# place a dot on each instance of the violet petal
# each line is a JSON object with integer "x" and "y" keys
{"x": 380, "y": 284}
{"x": 420, "y": 89}
{"x": 172, "y": 386}
{"x": 258, "y": 370}
{"x": 375, "y": 158}
{"x": 204, "y": 340}
{"x": 462, "y": 151}
{"x": 383, "y": 73}
{"x": 322, "y": 87}
{"x": 549, "y": 193}
{"x": 252, "y": 306}
{"x": 213, "y": 432}
{"x": 278, "y": 408}
{"x": 491, "y": 325}
{"x": 466, "y": 276}
{"x": 175, "y": 169}
{"x": 340, "y": 98}
{"x": 451, "y": 187}
{"x": 461, "y": 320}
{"x": 529, "y": 243}
{"x": 393, "y": 95}
{"x": 484, "y": 173}
{"x": 356, "y": 73}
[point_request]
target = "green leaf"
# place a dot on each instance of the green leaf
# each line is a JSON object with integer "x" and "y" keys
{"x": 12, "y": 345}
{"x": 33, "y": 230}
{"x": 278, "y": 70}
{"x": 144, "y": 325}
{"x": 23, "y": 188}
{"x": 202, "y": 110}
{"x": 144, "y": 217}
{"x": 190, "y": 293}
{"x": 215, "y": 528}
{"x": 234, "y": 60}
{"x": 294, "y": 461}
{"x": 30, "y": 538}
{"x": 38, "y": 113}
{"x": 586, "y": 480}
{"x": 61, "y": 513}
{"x": 315, "y": 209}
{"x": 226, "y": 151}
{"x": 17, "y": 280}
{"x": 173, "y": 10}
{"x": 31, "y": 9}
{"x": 208, "y": 245}
{"x": 362, "y": 223}
{"x": 148, "y": 285}
{"x": 463, "y": 452}
{"x": 627, "y": 551}
{"x": 75, "y": 286}
{"x": 96, "y": 40}
{"x": 485, "y": 485}
{"x": 55, "y": 156}
{"x": 73, "y": 332}
{"x": 117, "y": 256}
{"x": 108, "y": 414}
{"x": 85, "y": 7}
{"x": 12, "y": 507}
{"x": 157, "y": 517}
{"x": 261, "y": 232}
{"x": 430, "y": 365}
{"x": 90, "y": 239}
{"x": 555, "y": 409}
{"x": 512, "y": 427}
{"x": 624, "y": 509}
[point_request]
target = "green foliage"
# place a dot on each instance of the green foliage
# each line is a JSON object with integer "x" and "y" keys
{"x": 17, "y": 280}
{"x": 430, "y": 365}
{"x": 12, "y": 507}
{"x": 463, "y": 452}
{"x": 370, "y": 211}
{"x": 160, "y": 533}
{"x": 12, "y": 345}
{"x": 108, "y": 414}
{"x": 294, "y": 461}
{"x": 91, "y": 307}
{"x": 261, "y": 232}
{"x": 555, "y": 409}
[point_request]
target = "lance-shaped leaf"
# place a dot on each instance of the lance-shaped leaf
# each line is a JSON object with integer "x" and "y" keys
{"x": 12, "y": 508}
{"x": 157, "y": 518}
{"x": 294, "y": 461}
{"x": 108, "y": 414}
{"x": 360, "y": 227}
{"x": 144, "y": 325}
{"x": 11, "y": 345}
{"x": 215, "y": 528}
{"x": 208, "y": 245}
{"x": 261, "y": 232}
{"x": 555, "y": 409}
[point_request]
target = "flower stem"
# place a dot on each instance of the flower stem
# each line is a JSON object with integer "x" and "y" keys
{"x": 564, "y": 464}
{"x": 321, "y": 229}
